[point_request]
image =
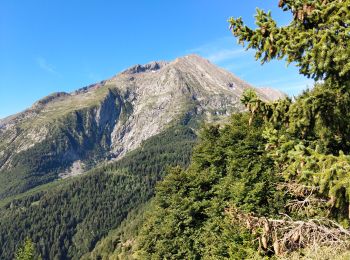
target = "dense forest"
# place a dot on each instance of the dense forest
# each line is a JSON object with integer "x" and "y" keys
{"x": 273, "y": 182}
{"x": 66, "y": 220}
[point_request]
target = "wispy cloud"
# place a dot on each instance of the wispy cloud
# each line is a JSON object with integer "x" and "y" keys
{"x": 220, "y": 51}
{"x": 288, "y": 85}
{"x": 296, "y": 88}
{"x": 94, "y": 76}
{"x": 224, "y": 55}
{"x": 237, "y": 66}
{"x": 44, "y": 65}
{"x": 285, "y": 82}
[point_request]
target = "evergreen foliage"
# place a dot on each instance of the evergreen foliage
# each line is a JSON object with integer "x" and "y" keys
{"x": 317, "y": 39}
{"x": 120, "y": 243}
{"x": 27, "y": 252}
{"x": 188, "y": 220}
{"x": 309, "y": 139}
{"x": 285, "y": 164}
{"x": 274, "y": 164}
{"x": 66, "y": 221}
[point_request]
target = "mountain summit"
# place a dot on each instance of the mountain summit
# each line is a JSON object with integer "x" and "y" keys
{"x": 64, "y": 134}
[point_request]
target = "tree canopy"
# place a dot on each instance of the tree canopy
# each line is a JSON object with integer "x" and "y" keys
{"x": 276, "y": 180}
{"x": 317, "y": 39}
{"x": 27, "y": 251}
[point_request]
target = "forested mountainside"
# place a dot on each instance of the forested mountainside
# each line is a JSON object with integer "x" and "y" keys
{"x": 66, "y": 219}
{"x": 66, "y": 134}
{"x": 273, "y": 182}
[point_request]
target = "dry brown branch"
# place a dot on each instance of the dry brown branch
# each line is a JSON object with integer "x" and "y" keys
{"x": 297, "y": 189}
{"x": 305, "y": 198}
{"x": 304, "y": 205}
{"x": 285, "y": 235}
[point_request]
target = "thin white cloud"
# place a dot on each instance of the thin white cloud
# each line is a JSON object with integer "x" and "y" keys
{"x": 292, "y": 87}
{"x": 44, "y": 65}
{"x": 224, "y": 55}
{"x": 94, "y": 76}
{"x": 285, "y": 82}
{"x": 213, "y": 45}
{"x": 221, "y": 50}
{"x": 238, "y": 66}
{"x": 297, "y": 88}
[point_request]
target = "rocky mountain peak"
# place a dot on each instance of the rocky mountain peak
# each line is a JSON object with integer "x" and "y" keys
{"x": 152, "y": 66}
{"x": 192, "y": 58}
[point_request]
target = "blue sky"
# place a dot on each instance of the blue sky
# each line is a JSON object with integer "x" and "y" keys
{"x": 61, "y": 45}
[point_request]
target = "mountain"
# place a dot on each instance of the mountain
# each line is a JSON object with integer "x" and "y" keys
{"x": 65, "y": 134}
{"x": 122, "y": 133}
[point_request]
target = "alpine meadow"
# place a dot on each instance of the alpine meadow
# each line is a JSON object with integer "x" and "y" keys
{"x": 182, "y": 159}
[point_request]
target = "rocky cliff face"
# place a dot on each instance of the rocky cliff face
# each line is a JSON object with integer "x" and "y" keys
{"x": 63, "y": 132}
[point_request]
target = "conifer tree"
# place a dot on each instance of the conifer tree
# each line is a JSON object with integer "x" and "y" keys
{"x": 26, "y": 252}
{"x": 317, "y": 38}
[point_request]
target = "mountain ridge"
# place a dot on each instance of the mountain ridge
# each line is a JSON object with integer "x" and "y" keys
{"x": 106, "y": 120}
{"x": 137, "y": 69}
